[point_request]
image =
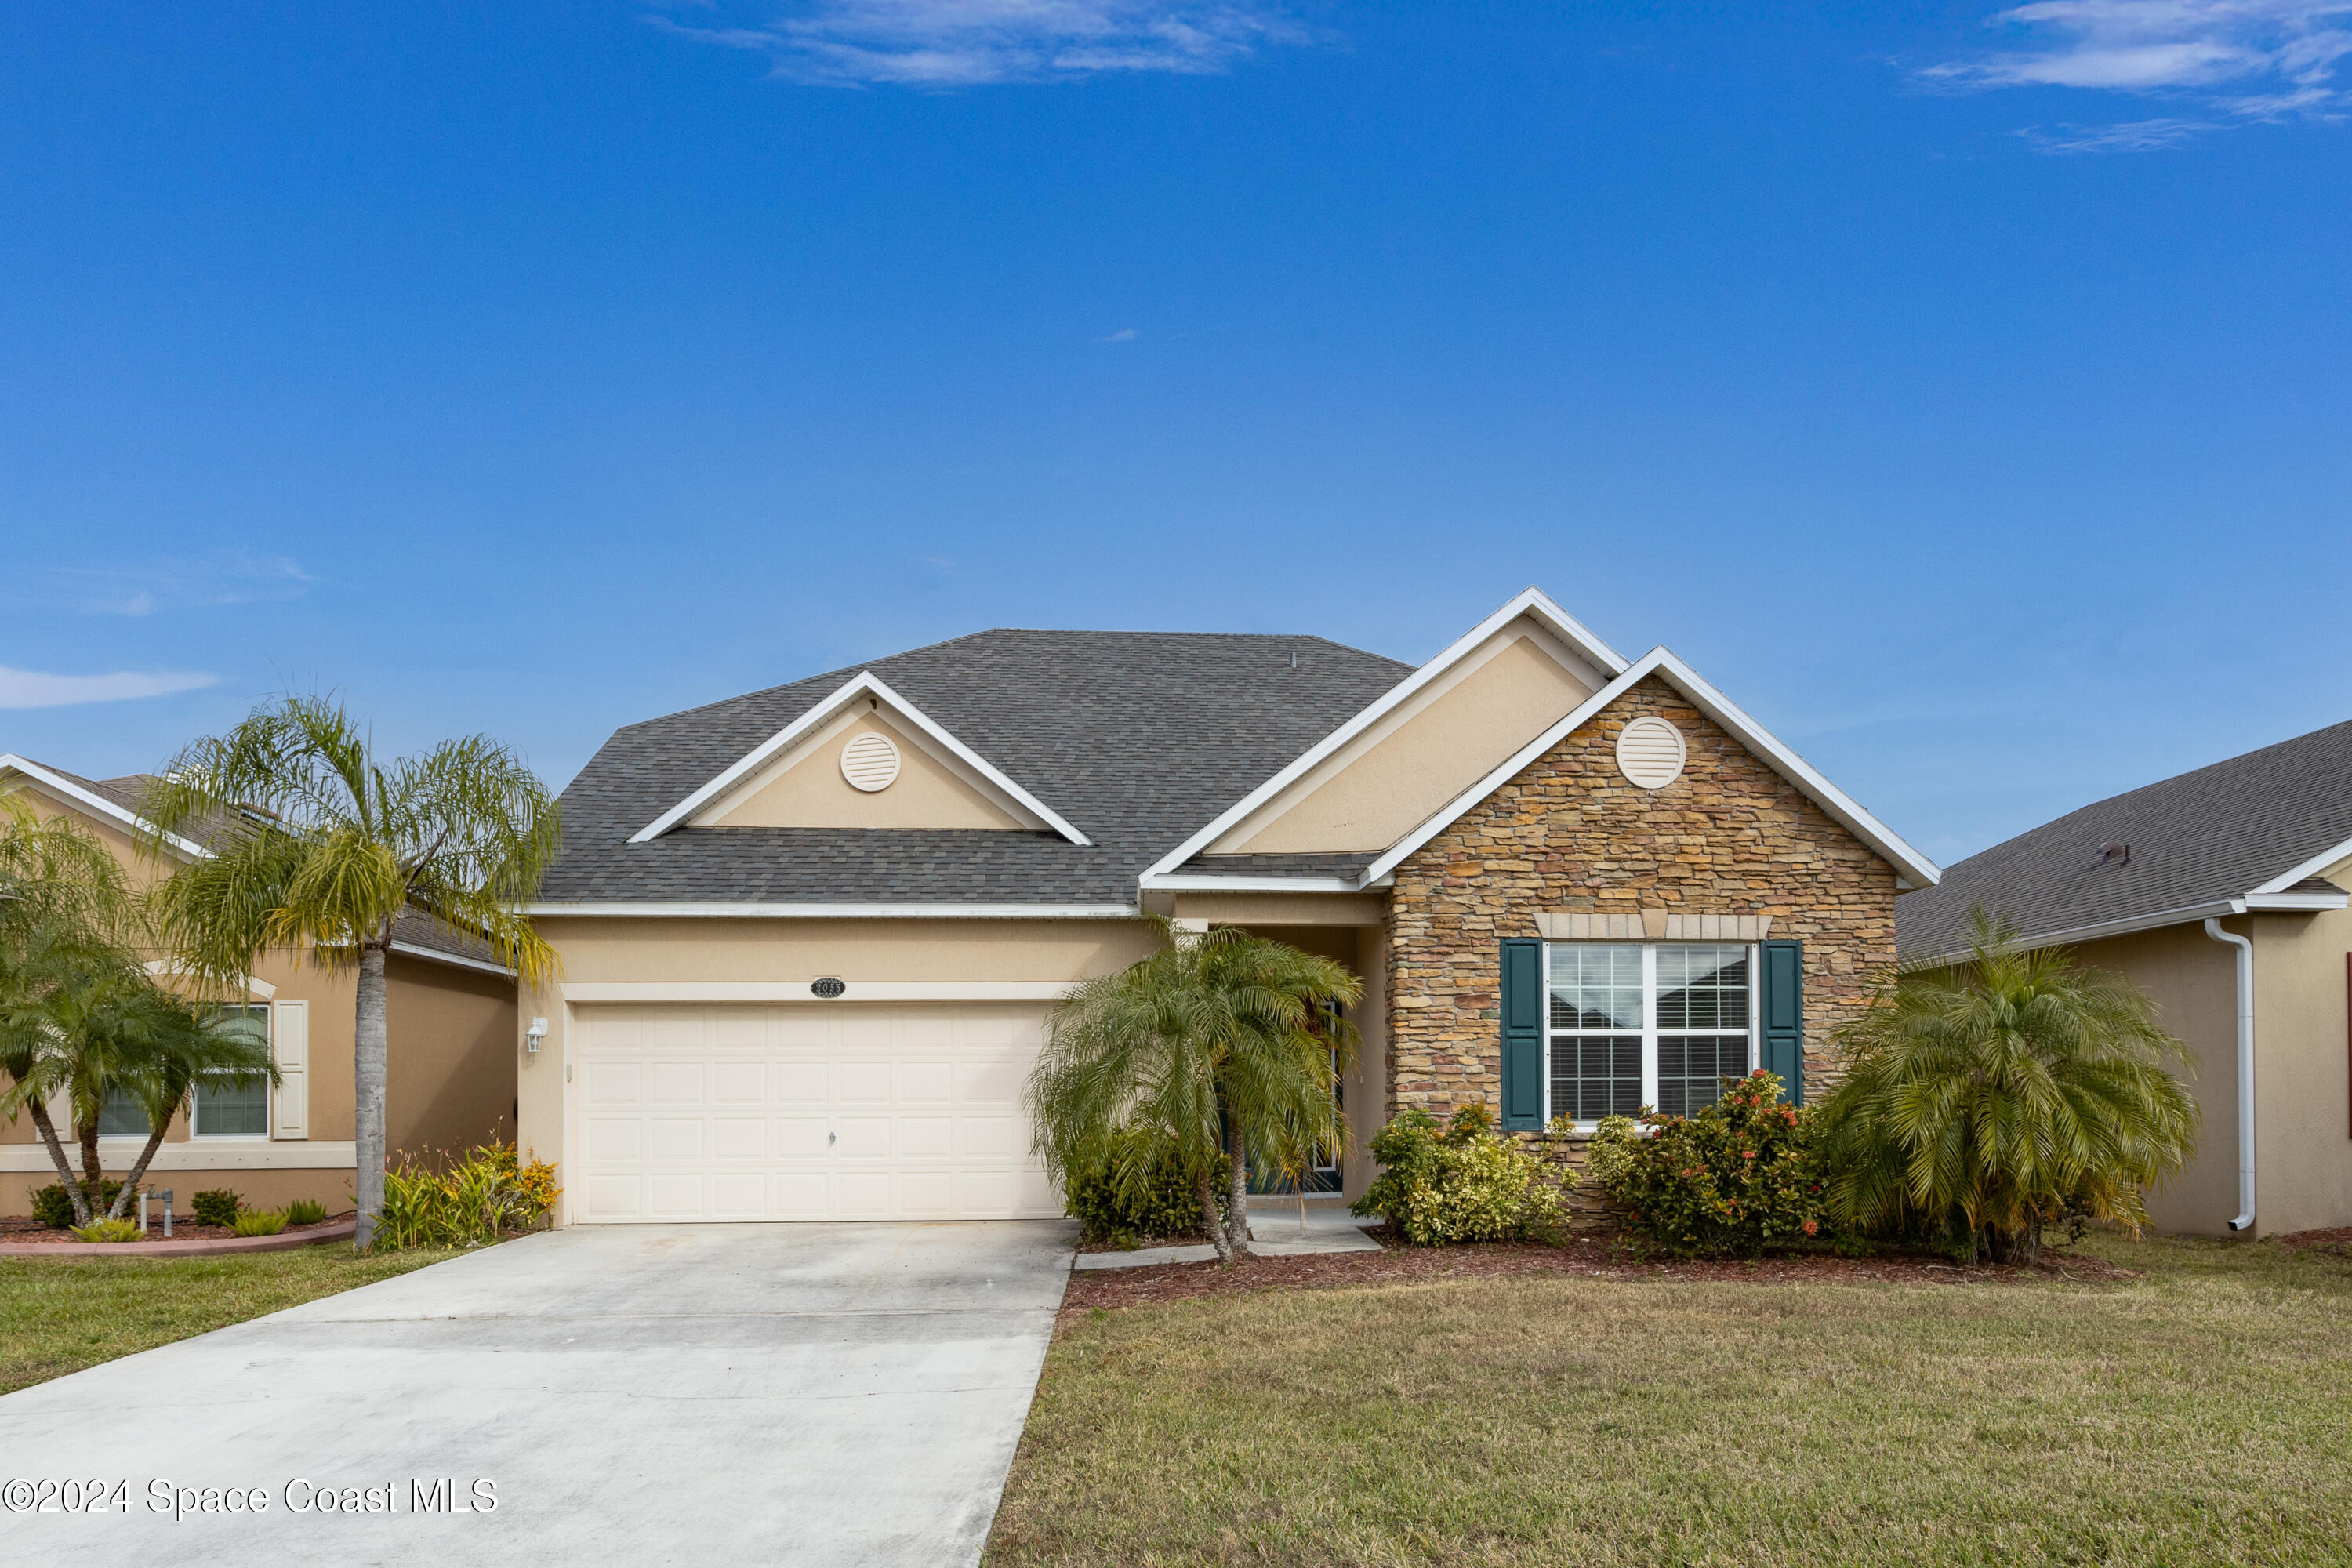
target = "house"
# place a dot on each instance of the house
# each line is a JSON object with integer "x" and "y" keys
{"x": 450, "y": 1079}
{"x": 2221, "y": 892}
{"x": 810, "y": 936}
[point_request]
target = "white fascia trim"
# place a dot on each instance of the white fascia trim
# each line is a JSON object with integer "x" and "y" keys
{"x": 2311, "y": 867}
{"x": 614, "y": 991}
{"x": 196, "y": 1154}
{"x": 89, "y": 799}
{"x": 865, "y": 684}
{"x": 846, "y": 911}
{"x": 435, "y": 955}
{"x": 2187, "y": 915}
{"x": 1533, "y": 602}
{"x": 1198, "y": 884}
{"x": 1908, "y": 862}
{"x": 2292, "y": 902}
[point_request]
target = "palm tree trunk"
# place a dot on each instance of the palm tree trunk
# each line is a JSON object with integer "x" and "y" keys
{"x": 1237, "y": 1212}
{"x": 1206, "y": 1189}
{"x": 131, "y": 1182}
{"x": 368, "y": 1053}
{"x": 58, "y": 1157}
{"x": 91, "y": 1173}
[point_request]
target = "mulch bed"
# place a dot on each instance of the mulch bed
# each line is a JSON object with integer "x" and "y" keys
{"x": 2337, "y": 1240}
{"x": 1586, "y": 1256}
{"x": 19, "y": 1229}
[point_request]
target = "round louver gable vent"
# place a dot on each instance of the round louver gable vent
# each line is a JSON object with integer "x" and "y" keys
{"x": 1650, "y": 752}
{"x": 870, "y": 763}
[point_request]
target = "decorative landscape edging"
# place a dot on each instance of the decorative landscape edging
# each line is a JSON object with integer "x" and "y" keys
{"x": 284, "y": 1241}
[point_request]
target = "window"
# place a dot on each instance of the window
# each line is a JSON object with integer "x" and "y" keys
{"x": 220, "y": 1110}
{"x": 229, "y": 1110}
{"x": 1633, "y": 1026}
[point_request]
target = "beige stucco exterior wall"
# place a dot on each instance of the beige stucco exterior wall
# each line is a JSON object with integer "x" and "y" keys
{"x": 451, "y": 1076}
{"x": 2303, "y": 1091}
{"x": 812, "y": 793}
{"x": 2303, "y": 1084}
{"x": 1377, "y": 798}
{"x": 2193, "y": 979}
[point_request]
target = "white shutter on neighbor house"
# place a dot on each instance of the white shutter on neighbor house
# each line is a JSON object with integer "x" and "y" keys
{"x": 289, "y": 1046}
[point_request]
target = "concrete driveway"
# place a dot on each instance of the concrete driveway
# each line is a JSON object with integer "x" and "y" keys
{"x": 796, "y": 1393}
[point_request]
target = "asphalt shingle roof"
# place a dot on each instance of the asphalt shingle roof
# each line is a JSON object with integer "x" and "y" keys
{"x": 1138, "y": 739}
{"x": 2213, "y": 834}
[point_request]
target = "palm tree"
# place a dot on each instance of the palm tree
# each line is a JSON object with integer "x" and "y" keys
{"x": 176, "y": 1044}
{"x": 1222, "y": 1043}
{"x": 2003, "y": 1094}
{"x": 315, "y": 845}
{"x": 65, "y": 910}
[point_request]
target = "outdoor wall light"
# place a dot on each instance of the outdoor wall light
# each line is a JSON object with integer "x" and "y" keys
{"x": 534, "y": 1034}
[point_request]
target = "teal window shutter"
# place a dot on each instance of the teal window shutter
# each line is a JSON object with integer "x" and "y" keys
{"x": 1523, "y": 1052}
{"x": 1782, "y": 1005}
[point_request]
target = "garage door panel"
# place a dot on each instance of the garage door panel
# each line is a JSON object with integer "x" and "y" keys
{"x": 862, "y": 1138}
{"x": 678, "y": 1196}
{"x": 925, "y": 1137}
{"x": 614, "y": 1140}
{"x": 808, "y": 1112}
{"x": 613, "y": 1197}
{"x": 992, "y": 1080}
{"x": 739, "y": 1083}
{"x": 615, "y": 1083}
{"x": 862, "y": 1082}
{"x": 926, "y": 1082}
{"x": 800, "y": 1138}
{"x": 677, "y": 1138}
{"x": 739, "y": 1196}
{"x": 677, "y": 1083}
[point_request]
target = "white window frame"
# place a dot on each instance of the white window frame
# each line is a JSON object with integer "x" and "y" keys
{"x": 195, "y": 1119}
{"x": 1650, "y": 1030}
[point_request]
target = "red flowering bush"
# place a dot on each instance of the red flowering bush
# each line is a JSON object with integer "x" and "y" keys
{"x": 1739, "y": 1178}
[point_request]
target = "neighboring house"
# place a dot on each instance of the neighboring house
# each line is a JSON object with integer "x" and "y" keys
{"x": 450, "y": 1080}
{"x": 811, "y": 936}
{"x": 2222, "y": 893}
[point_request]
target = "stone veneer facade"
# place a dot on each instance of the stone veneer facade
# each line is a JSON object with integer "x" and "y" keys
{"x": 1571, "y": 833}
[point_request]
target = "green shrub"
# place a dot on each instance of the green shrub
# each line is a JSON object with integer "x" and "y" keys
{"x": 108, "y": 1230}
{"x": 1737, "y": 1178}
{"x": 53, "y": 1206}
{"x": 1461, "y": 1182}
{"x": 217, "y": 1207}
{"x": 259, "y": 1222}
{"x": 1136, "y": 1187}
{"x": 303, "y": 1211}
{"x": 489, "y": 1192}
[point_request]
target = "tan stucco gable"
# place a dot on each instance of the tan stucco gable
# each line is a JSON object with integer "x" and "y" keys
{"x": 1379, "y": 788}
{"x": 806, "y": 788}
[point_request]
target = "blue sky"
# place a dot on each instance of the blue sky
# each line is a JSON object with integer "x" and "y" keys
{"x": 1961, "y": 389}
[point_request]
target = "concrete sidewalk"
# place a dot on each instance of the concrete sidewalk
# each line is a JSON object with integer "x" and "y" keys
{"x": 706, "y": 1395}
{"x": 1276, "y": 1231}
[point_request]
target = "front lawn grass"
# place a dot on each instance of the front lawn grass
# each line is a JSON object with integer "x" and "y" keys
{"x": 2199, "y": 1413}
{"x": 60, "y": 1316}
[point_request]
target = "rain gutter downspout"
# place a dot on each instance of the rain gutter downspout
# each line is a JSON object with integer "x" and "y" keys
{"x": 2245, "y": 947}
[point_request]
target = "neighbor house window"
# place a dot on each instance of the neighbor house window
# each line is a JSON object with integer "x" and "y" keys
{"x": 226, "y": 1109}
{"x": 221, "y": 1110}
{"x": 1634, "y": 1024}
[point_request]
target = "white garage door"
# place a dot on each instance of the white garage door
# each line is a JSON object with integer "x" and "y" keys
{"x": 848, "y": 1110}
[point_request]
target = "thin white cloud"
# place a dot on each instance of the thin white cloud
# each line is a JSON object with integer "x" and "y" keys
{"x": 223, "y": 577}
{"x": 2237, "y": 61}
{"x": 946, "y": 44}
{"x": 34, "y": 688}
{"x": 1124, "y": 335}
